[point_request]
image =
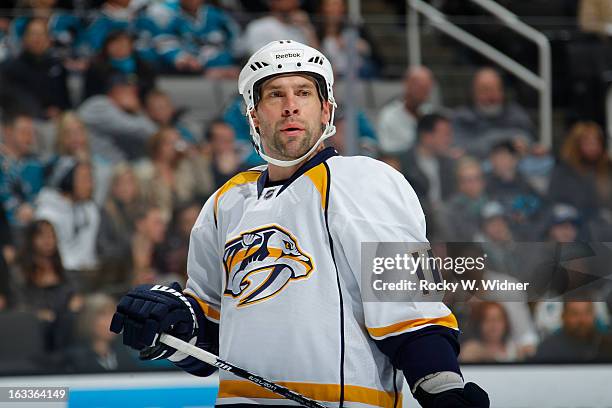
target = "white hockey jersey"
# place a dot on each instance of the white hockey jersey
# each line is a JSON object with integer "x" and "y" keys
{"x": 278, "y": 267}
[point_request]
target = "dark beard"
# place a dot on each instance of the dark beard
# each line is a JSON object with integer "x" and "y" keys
{"x": 305, "y": 145}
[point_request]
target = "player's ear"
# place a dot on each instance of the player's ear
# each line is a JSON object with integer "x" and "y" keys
{"x": 254, "y": 116}
{"x": 325, "y": 112}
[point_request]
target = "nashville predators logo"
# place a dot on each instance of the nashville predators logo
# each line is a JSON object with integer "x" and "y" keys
{"x": 260, "y": 263}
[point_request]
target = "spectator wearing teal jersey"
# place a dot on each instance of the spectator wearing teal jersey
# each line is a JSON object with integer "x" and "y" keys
{"x": 195, "y": 38}
{"x": 21, "y": 173}
{"x": 114, "y": 15}
{"x": 65, "y": 29}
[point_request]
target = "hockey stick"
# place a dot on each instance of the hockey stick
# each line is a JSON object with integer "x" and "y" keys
{"x": 213, "y": 360}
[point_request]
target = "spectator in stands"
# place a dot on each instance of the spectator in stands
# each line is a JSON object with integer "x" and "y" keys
{"x": 505, "y": 184}
{"x": 165, "y": 178}
{"x": 116, "y": 121}
{"x": 173, "y": 251}
{"x": 161, "y": 110}
{"x": 583, "y": 176}
{"x": 5, "y": 286}
{"x": 150, "y": 232}
{"x": 65, "y": 29}
{"x": 67, "y": 203}
{"x": 286, "y": 21}
{"x": 367, "y": 141}
{"x": 578, "y": 341}
{"x": 429, "y": 167}
{"x": 548, "y": 316}
{"x": 490, "y": 118}
{"x": 595, "y": 16}
{"x": 522, "y": 330}
{"x": 503, "y": 255}
{"x": 219, "y": 159}
{"x": 45, "y": 289}
{"x": 398, "y": 120}
{"x": 117, "y": 228}
{"x": 493, "y": 341}
{"x": 4, "y": 38}
{"x": 72, "y": 140}
{"x": 117, "y": 56}
{"x": 570, "y": 263}
{"x": 429, "y": 164}
{"x": 35, "y": 79}
{"x": 233, "y": 115}
{"x": 113, "y": 15}
{"x": 332, "y": 32}
{"x": 22, "y": 173}
{"x": 564, "y": 224}
{"x": 468, "y": 201}
{"x": 7, "y": 257}
{"x": 197, "y": 37}
{"x": 100, "y": 350}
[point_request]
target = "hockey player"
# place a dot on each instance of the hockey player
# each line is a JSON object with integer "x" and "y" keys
{"x": 274, "y": 265}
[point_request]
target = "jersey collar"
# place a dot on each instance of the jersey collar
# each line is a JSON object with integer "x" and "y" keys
{"x": 263, "y": 181}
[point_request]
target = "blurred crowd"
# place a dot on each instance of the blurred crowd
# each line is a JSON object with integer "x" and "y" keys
{"x": 99, "y": 192}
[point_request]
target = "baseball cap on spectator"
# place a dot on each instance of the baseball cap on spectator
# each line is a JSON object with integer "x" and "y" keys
{"x": 490, "y": 210}
{"x": 562, "y": 213}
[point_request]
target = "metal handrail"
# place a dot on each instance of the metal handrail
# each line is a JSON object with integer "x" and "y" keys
{"x": 542, "y": 82}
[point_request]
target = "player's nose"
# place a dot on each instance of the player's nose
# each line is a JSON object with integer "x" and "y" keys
{"x": 290, "y": 106}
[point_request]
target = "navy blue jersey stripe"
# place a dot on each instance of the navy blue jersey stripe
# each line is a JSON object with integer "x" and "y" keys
{"x": 331, "y": 247}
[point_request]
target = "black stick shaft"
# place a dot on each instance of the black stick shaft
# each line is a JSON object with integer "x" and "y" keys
{"x": 211, "y": 359}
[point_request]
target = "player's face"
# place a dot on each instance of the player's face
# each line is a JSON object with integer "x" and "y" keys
{"x": 290, "y": 116}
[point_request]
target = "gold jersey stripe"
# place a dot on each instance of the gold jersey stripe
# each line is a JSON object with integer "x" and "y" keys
{"x": 319, "y": 392}
{"x": 238, "y": 180}
{"x": 318, "y": 175}
{"x": 208, "y": 310}
{"x": 447, "y": 321}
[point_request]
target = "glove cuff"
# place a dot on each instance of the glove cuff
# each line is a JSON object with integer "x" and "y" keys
{"x": 439, "y": 382}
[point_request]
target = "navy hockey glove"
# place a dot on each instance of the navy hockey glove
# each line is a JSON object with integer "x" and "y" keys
{"x": 149, "y": 310}
{"x": 470, "y": 396}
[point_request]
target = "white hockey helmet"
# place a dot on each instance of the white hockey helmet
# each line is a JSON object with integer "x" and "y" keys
{"x": 284, "y": 57}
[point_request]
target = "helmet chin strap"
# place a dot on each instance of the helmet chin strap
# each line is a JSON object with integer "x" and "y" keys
{"x": 329, "y": 131}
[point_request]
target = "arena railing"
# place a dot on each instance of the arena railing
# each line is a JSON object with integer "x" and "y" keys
{"x": 542, "y": 81}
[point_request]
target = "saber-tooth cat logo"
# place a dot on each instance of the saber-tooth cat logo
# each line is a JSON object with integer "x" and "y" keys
{"x": 260, "y": 263}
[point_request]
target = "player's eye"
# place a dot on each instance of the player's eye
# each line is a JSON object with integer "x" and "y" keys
{"x": 304, "y": 92}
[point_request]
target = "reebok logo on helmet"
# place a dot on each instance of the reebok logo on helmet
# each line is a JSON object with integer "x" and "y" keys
{"x": 290, "y": 54}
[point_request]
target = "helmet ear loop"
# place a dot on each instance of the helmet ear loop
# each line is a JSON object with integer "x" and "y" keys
{"x": 330, "y": 128}
{"x": 254, "y": 131}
